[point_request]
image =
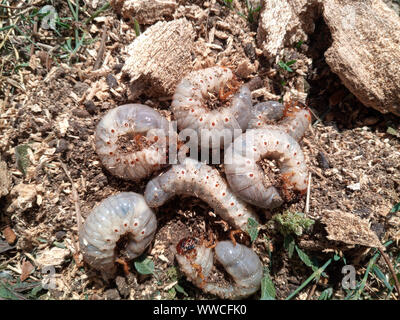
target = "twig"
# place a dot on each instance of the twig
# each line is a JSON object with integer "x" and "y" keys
{"x": 311, "y": 292}
{"x": 389, "y": 264}
{"x": 100, "y": 54}
{"x": 307, "y": 209}
{"x": 74, "y": 196}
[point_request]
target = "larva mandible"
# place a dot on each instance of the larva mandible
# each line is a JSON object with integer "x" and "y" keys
{"x": 199, "y": 104}
{"x": 196, "y": 261}
{"x": 194, "y": 178}
{"x": 124, "y": 215}
{"x": 245, "y": 176}
{"x": 131, "y": 141}
{"x": 294, "y": 117}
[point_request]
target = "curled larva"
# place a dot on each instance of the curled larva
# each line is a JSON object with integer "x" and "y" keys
{"x": 199, "y": 104}
{"x": 124, "y": 217}
{"x": 245, "y": 175}
{"x": 294, "y": 117}
{"x": 196, "y": 261}
{"x": 131, "y": 141}
{"x": 194, "y": 178}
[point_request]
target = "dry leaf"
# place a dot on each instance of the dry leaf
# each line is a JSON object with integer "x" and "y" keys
{"x": 52, "y": 257}
{"x": 350, "y": 229}
{"x": 9, "y": 234}
{"x": 26, "y": 269}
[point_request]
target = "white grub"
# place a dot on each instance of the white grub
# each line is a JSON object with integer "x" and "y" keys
{"x": 245, "y": 175}
{"x": 214, "y": 126}
{"x": 124, "y": 214}
{"x": 194, "y": 178}
{"x": 144, "y": 128}
{"x": 241, "y": 263}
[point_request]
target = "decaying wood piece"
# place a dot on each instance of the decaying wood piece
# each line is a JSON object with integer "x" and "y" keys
{"x": 5, "y": 180}
{"x": 365, "y": 52}
{"x": 159, "y": 57}
{"x": 283, "y": 23}
{"x": 145, "y": 11}
{"x": 350, "y": 229}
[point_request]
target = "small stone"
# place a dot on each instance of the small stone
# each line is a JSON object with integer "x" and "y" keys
{"x": 112, "y": 294}
{"x": 111, "y": 81}
{"x": 60, "y": 235}
{"x": 80, "y": 113}
{"x": 90, "y": 107}
{"x": 354, "y": 186}
{"x": 122, "y": 286}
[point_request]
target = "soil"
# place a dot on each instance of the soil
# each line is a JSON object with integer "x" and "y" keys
{"x": 53, "y": 106}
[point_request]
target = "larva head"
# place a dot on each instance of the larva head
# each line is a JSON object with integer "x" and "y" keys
{"x": 187, "y": 246}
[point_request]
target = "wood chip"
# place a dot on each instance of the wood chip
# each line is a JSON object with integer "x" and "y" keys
{"x": 350, "y": 229}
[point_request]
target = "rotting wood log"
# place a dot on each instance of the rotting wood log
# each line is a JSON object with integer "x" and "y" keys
{"x": 365, "y": 52}
{"x": 159, "y": 58}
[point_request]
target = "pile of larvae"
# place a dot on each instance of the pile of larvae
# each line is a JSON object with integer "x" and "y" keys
{"x": 210, "y": 106}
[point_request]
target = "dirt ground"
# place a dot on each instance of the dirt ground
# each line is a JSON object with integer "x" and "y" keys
{"x": 51, "y": 103}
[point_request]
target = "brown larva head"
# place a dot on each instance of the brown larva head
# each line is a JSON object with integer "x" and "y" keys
{"x": 187, "y": 246}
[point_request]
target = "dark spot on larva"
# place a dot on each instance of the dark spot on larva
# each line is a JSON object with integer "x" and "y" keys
{"x": 277, "y": 142}
{"x": 226, "y": 119}
{"x": 213, "y": 124}
{"x": 295, "y": 154}
{"x": 207, "y": 177}
{"x": 239, "y": 215}
{"x": 259, "y": 124}
{"x": 126, "y": 125}
{"x": 183, "y": 172}
{"x": 112, "y": 130}
{"x": 192, "y": 110}
{"x": 190, "y": 99}
{"x": 265, "y": 143}
{"x": 116, "y": 230}
{"x": 108, "y": 240}
{"x": 137, "y": 160}
{"x": 298, "y": 162}
{"x": 108, "y": 142}
{"x": 232, "y": 204}
{"x": 118, "y": 160}
{"x": 155, "y": 138}
{"x": 125, "y": 225}
{"x": 142, "y": 232}
{"x": 251, "y": 175}
{"x": 217, "y": 185}
{"x": 288, "y": 146}
{"x": 254, "y": 149}
{"x": 223, "y": 194}
{"x": 201, "y": 119}
{"x": 111, "y": 153}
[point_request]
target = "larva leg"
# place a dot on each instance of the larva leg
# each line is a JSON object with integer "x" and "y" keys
{"x": 196, "y": 178}
{"x": 239, "y": 261}
{"x": 122, "y": 215}
{"x": 131, "y": 141}
{"x": 199, "y": 104}
{"x": 245, "y": 176}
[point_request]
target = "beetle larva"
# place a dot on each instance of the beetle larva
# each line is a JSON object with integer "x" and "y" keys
{"x": 196, "y": 260}
{"x": 245, "y": 175}
{"x": 121, "y": 216}
{"x": 131, "y": 141}
{"x": 294, "y": 117}
{"x": 199, "y": 104}
{"x": 194, "y": 178}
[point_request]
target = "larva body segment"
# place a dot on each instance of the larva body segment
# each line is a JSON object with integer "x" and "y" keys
{"x": 245, "y": 176}
{"x": 198, "y": 179}
{"x": 239, "y": 261}
{"x": 131, "y": 141}
{"x": 194, "y": 106}
{"x": 294, "y": 119}
{"x": 124, "y": 214}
